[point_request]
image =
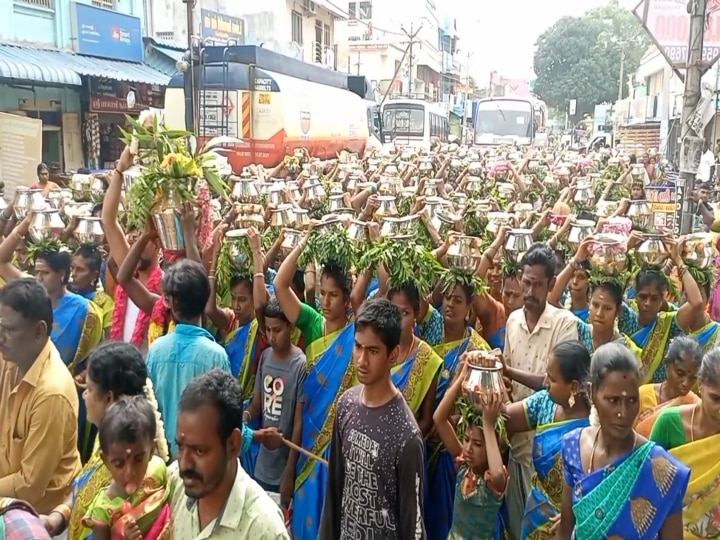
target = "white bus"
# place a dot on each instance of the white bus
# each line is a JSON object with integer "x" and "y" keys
{"x": 413, "y": 121}
{"x": 509, "y": 120}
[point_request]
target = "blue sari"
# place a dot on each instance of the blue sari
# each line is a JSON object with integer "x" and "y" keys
{"x": 631, "y": 498}
{"x": 654, "y": 339}
{"x": 330, "y": 373}
{"x": 439, "y": 497}
{"x": 241, "y": 346}
{"x": 497, "y": 340}
{"x": 77, "y": 329}
{"x": 545, "y": 498}
{"x": 707, "y": 336}
{"x": 415, "y": 376}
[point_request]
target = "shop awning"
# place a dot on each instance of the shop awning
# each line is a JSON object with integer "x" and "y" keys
{"x": 163, "y": 55}
{"x": 53, "y": 67}
{"x": 35, "y": 65}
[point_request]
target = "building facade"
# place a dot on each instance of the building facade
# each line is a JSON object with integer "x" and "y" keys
{"x": 374, "y": 39}
{"x": 302, "y": 29}
{"x": 66, "y": 68}
{"x": 650, "y": 116}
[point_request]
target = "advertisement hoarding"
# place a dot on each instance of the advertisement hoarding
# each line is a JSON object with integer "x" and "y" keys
{"x": 668, "y": 23}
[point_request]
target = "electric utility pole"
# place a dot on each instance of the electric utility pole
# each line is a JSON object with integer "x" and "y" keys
{"x": 412, "y": 35}
{"x": 685, "y": 184}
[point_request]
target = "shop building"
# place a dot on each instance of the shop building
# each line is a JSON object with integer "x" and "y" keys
{"x": 66, "y": 68}
{"x": 650, "y": 117}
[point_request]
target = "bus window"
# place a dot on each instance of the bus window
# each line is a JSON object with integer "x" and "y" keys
{"x": 404, "y": 120}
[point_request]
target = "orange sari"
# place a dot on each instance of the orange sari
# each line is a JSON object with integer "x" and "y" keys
{"x": 650, "y": 408}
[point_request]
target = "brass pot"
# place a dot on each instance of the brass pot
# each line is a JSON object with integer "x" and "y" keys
{"x": 46, "y": 224}
{"x": 234, "y": 237}
{"x": 291, "y": 239}
{"x": 244, "y": 189}
{"x": 464, "y": 253}
{"x": 409, "y": 225}
{"x": 518, "y": 242}
{"x": 579, "y": 231}
{"x": 282, "y": 216}
{"x": 481, "y": 382}
{"x": 608, "y": 254}
{"x": 497, "y": 220}
{"x": 89, "y": 231}
{"x": 357, "y": 231}
{"x": 387, "y": 207}
{"x": 302, "y": 218}
{"x": 640, "y": 213}
{"x": 651, "y": 251}
{"x": 389, "y": 226}
{"x": 28, "y": 199}
{"x": 698, "y": 250}
{"x": 336, "y": 202}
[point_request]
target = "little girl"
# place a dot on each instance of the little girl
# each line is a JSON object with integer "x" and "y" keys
{"x": 482, "y": 478}
{"x": 135, "y": 505}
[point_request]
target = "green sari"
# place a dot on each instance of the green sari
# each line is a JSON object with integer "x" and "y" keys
{"x": 415, "y": 376}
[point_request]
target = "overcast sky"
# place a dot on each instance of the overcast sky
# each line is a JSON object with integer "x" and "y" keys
{"x": 501, "y": 34}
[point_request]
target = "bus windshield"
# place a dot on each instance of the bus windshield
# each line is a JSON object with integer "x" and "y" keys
{"x": 504, "y": 119}
{"x": 404, "y": 120}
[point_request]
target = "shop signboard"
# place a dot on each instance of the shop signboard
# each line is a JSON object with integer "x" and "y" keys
{"x": 20, "y": 150}
{"x": 662, "y": 204}
{"x": 106, "y": 33}
{"x": 221, "y": 28}
{"x": 110, "y": 96}
{"x": 668, "y": 24}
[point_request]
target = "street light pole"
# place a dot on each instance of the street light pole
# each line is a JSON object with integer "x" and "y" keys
{"x": 691, "y": 96}
{"x": 621, "y": 84}
{"x": 411, "y": 37}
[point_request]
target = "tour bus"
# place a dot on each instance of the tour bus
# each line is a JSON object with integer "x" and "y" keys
{"x": 509, "y": 120}
{"x": 414, "y": 122}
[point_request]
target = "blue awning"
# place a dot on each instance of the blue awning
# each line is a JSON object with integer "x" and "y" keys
{"x": 53, "y": 67}
{"x": 163, "y": 55}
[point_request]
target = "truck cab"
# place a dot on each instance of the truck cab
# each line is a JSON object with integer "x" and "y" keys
{"x": 359, "y": 85}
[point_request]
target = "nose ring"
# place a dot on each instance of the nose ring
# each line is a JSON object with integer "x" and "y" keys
{"x": 619, "y": 415}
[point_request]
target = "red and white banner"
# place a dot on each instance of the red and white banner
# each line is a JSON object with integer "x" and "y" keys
{"x": 668, "y": 23}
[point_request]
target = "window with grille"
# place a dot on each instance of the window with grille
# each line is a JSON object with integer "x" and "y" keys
{"x": 169, "y": 36}
{"x": 107, "y": 4}
{"x": 47, "y": 4}
{"x": 297, "y": 27}
{"x": 326, "y": 35}
{"x": 365, "y": 9}
{"x": 352, "y": 10}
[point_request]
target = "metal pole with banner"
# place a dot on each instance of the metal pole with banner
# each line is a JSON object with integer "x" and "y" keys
{"x": 677, "y": 27}
{"x": 691, "y": 101}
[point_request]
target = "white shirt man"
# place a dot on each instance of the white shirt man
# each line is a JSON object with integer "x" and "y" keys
{"x": 707, "y": 161}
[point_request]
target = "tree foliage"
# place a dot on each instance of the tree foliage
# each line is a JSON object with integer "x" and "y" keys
{"x": 579, "y": 57}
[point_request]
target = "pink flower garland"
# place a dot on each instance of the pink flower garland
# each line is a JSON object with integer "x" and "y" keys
{"x": 143, "y": 319}
{"x": 204, "y": 232}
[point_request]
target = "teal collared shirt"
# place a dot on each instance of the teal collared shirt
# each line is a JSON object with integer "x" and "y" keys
{"x": 173, "y": 361}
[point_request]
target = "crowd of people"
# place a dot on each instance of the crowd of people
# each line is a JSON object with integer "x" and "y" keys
{"x": 299, "y": 368}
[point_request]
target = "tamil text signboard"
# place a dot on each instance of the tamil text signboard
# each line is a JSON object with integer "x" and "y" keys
{"x": 221, "y": 28}
{"x": 662, "y": 202}
{"x": 668, "y": 23}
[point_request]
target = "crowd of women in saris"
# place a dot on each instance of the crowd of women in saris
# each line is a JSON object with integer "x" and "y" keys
{"x": 441, "y": 233}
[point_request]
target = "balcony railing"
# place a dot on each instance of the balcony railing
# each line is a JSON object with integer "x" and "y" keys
{"x": 317, "y": 53}
{"x": 47, "y": 4}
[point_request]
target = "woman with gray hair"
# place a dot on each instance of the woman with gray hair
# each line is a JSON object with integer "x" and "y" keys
{"x": 682, "y": 362}
{"x": 692, "y": 434}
